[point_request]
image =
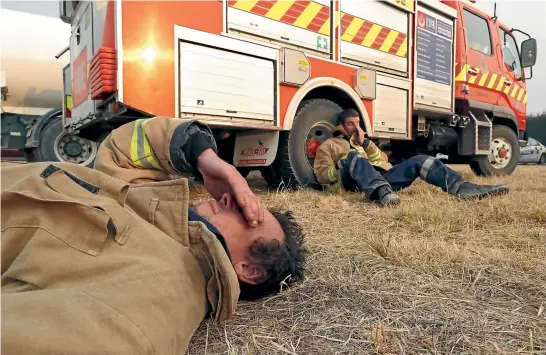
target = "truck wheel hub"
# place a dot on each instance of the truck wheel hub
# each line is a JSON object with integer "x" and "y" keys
{"x": 501, "y": 153}
{"x": 317, "y": 135}
{"x": 73, "y": 149}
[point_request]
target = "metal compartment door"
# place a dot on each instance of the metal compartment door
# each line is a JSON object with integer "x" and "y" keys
{"x": 81, "y": 52}
{"x": 392, "y": 107}
{"x": 300, "y": 23}
{"x": 215, "y": 82}
{"x": 434, "y": 60}
{"x": 376, "y": 33}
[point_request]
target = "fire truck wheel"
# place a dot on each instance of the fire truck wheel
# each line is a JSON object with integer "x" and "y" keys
{"x": 504, "y": 155}
{"x": 56, "y": 145}
{"x": 313, "y": 124}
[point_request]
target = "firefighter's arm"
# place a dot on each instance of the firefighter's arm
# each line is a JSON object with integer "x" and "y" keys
{"x": 372, "y": 151}
{"x": 326, "y": 170}
{"x": 154, "y": 149}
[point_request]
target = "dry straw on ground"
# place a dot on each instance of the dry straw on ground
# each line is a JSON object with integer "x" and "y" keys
{"x": 433, "y": 275}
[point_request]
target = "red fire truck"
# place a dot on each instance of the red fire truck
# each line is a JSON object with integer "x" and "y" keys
{"x": 270, "y": 76}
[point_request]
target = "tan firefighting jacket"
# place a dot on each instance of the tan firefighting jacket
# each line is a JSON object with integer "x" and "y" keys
{"x": 334, "y": 149}
{"x": 94, "y": 264}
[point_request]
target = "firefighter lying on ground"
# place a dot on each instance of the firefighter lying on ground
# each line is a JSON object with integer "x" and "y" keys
{"x": 359, "y": 165}
{"x": 115, "y": 260}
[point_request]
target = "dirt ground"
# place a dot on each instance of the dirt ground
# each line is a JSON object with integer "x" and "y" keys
{"x": 433, "y": 275}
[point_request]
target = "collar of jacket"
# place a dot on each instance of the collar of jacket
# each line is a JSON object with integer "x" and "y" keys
{"x": 194, "y": 216}
{"x": 342, "y": 134}
{"x": 166, "y": 204}
{"x": 339, "y": 132}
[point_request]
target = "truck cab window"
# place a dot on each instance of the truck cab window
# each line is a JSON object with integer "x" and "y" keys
{"x": 510, "y": 52}
{"x": 477, "y": 32}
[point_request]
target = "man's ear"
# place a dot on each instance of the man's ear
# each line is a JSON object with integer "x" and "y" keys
{"x": 249, "y": 273}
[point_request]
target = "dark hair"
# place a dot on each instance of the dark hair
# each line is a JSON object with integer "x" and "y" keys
{"x": 278, "y": 260}
{"x": 349, "y": 112}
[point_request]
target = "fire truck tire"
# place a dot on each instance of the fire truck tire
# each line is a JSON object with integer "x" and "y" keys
{"x": 56, "y": 145}
{"x": 483, "y": 166}
{"x": 292, "y": 166}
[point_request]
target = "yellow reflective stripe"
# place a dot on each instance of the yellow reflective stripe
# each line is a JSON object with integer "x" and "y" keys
{"x": 492, "y": 81}
{"x": 403, "y": 48}
{"x": 483, "y": 79}
{"x": 69, "y": 102}
{"x": 279, "y": 9}
{"x": 308, "y": 15}
{"x": 352, "y": 29}
{"x": 148, "y": 149}
{"x": 245, "y": 5}
{"x": 375, "y": 162}
{"x": 371, "y": 36}
{"x": 374, "y": 156}
{"x": 391, "y": 37}
{"x": 141, "y": 151}
{"x": 500, "y": 84}
{"x": 462, "y": 74}
{"x": 134, "y": 145}
{"x": 332, "y": 173}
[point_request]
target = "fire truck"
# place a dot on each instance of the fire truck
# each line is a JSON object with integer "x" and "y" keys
{"x": 270, "y": 77}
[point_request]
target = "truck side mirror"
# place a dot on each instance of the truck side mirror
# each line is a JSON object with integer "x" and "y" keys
{"x": 528, "y": 53}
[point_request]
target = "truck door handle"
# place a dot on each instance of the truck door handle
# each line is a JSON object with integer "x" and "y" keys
{"x": 472, "y": 71}
{"x": 507, "y": 82}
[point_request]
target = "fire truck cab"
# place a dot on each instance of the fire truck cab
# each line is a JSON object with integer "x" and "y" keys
{"x": 270, "y": 77}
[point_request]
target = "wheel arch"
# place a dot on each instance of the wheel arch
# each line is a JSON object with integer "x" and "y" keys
{"x": 34, "y": 140}
{"x": 331, "y": 89}
{"x": 508, "y": 122}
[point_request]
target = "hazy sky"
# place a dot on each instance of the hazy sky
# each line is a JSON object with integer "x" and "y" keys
{"x": 526, "y": 15}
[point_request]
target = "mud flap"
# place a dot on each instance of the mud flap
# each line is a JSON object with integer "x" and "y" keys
{"x": 255, "y": 149}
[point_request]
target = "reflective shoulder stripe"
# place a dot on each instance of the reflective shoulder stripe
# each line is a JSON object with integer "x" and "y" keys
{"x": 148, "y": 154}
{"x": 374, "y": 156}
{"x": 134, "y": 145}
{"x": 141, "y": 151}
{"x": 331, "y": 174}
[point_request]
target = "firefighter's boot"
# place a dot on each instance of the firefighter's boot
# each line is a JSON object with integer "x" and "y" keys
{"x": 384, "y": 196}
{"x": 469, "y": 190}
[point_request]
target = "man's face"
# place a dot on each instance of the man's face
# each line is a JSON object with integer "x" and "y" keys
{"x": 230, "y": 221}
{"x": 351, "y": 125}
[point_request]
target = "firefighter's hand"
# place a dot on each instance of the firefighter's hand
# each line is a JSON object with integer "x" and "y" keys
{"x": 222, "y": 178}
{"x": 361, "y": 135}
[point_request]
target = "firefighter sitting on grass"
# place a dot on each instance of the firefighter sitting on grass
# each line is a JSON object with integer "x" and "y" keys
{"x": 350, "y": 157}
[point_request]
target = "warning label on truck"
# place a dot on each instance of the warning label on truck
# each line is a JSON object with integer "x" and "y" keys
{"x": 434, "y": 49}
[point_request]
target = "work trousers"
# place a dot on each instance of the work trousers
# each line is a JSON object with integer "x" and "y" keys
{"x": 358, "y": 174}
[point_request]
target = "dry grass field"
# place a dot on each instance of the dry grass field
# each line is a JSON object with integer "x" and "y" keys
{"x": 433, "y": 275}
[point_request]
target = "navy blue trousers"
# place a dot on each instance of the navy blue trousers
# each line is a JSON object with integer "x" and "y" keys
{"x": 357, "y": 174}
